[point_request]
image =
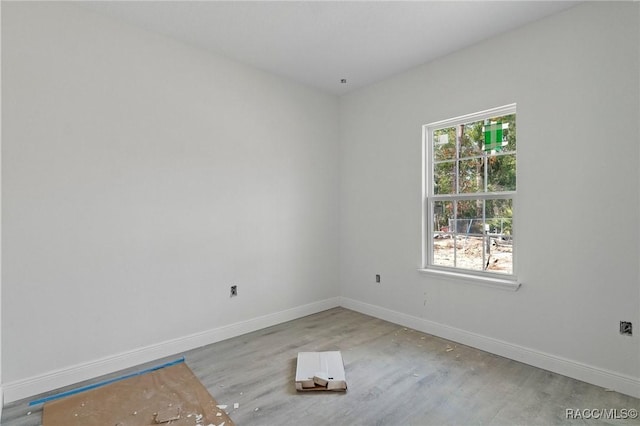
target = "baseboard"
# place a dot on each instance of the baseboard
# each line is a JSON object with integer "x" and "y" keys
{"x": 1, "y": 401}
{"x": 608, "y": 379}
{"x": 25, "y": 388}
{"x": 32, "y": 386}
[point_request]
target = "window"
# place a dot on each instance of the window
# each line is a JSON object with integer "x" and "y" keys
{"x": 470, "y": 194}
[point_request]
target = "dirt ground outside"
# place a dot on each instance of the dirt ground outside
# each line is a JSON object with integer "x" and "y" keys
{"x": 468, "y": 254}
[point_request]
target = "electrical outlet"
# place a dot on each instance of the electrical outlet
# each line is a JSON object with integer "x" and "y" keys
{"x": 234, "y": 290}
{"x": 626, "y": 328}
{"x": 377, "y": 278}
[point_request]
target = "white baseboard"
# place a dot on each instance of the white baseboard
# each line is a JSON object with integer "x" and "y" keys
{"x": 29, "y": 387}
{"x": 32, "y": 386}
{"x": 574, "y": 369}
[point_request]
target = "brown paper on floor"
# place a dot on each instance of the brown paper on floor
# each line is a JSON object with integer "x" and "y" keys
{"x": 138, "y": 400}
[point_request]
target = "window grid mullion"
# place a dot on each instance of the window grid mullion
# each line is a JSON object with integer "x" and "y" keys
{"x": 497, "y": 154}
{"x": 455, "y": 233}
{"x": 485, "y": 247}
{"x": 475, "y": 196}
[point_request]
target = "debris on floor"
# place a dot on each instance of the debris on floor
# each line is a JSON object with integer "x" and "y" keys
{"x": 167, "y": 415}
{"x": 322, "y": 371}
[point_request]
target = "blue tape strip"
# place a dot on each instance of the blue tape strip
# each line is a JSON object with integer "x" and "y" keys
{"x": 104, "y": 383}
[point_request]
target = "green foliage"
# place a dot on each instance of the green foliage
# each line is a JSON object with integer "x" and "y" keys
{"x": 462, "y": 167}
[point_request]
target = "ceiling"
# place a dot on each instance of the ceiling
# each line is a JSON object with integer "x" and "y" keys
{"x": 319, "y": 43}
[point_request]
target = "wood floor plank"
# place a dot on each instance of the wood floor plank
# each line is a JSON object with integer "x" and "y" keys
{"x": 395, "y": 376}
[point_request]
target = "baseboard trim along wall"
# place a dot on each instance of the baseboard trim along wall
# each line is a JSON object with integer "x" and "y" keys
{"x": 576, "y": 370}
{"x": 32, "y": 386}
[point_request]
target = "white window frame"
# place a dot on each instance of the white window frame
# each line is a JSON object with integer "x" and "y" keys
{"x": 487, "y": 278}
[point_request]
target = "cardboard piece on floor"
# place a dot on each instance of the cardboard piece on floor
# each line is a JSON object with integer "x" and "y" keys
{"x": 322, "y": 371}
{"x": 140, "y": 401}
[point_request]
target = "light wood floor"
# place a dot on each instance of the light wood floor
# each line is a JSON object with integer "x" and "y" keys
{"x": 396, "y": 376}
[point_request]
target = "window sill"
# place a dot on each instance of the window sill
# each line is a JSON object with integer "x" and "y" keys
{"x": 504, "y": 284}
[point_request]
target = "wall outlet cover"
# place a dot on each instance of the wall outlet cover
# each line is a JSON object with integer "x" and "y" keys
{"x": 626, "y": 328}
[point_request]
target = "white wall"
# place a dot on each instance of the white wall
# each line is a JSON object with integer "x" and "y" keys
{"x": 574, "y": 78}
{"x": 143, "y": 177}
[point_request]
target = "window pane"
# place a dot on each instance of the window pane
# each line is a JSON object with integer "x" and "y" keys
{"x": 469, "y": 217}
{"x": 499, "y": 217}
{"x": 501, "y": 173}
{"x": 500, "y": 220}
{"x": 444, "y": 178}
{"x": 500, "y": 258}
{"x": 471, "y": 176}
{"x": 443, "y": 251}
{"x": 509, "y": 132}
{"x": 442, "y": 216}
{"x": 472, "y": 139}
{"x": 469, "y": 252}
{"x": 444, "y": 144}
